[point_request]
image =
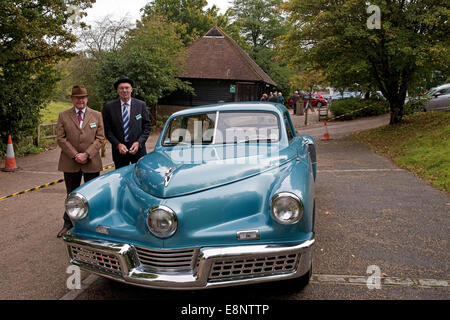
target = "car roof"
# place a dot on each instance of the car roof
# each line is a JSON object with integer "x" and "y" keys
{"x": 234, "y": 106}
{"x": 442, "y": 86}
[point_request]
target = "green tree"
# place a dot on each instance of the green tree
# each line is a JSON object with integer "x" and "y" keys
{"x": 106, "y": 35}
{"x": 279, "y": 72}
{"x": 260, "y": 21}
{"x": 409, "y": 43}
{"x": 34, "y": 36}
{"x": 78, "y": 70}
{"x": 190, "y": 18}
{"x": 308, "y": 80}
{"x": 256, "y": 26}
{"x": 151, "y": 55}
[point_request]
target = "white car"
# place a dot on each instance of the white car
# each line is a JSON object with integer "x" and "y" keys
{"x": 439, "y": 98}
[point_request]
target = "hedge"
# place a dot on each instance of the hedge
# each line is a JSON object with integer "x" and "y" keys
{"x": 353, "y": 108}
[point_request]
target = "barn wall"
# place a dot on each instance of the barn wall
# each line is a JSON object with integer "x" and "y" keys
{"x": 209, "y": 91}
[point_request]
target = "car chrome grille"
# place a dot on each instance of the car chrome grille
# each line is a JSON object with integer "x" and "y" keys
{"x": 101, "y": 261}
{"x": 253, "y": 267}
{"x": 168, "y": 261}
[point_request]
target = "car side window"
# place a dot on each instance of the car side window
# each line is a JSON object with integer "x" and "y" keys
{"x": 289, "y": 130}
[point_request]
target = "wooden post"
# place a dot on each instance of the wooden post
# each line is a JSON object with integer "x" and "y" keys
{"x": 299, "y": 108}
{"x": 37, "y": 141}
{"x": 306, "y": 113}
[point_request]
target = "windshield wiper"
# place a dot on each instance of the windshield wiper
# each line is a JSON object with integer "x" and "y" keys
{"x": 255, "y": 140}
{"x": 171, "y": 144}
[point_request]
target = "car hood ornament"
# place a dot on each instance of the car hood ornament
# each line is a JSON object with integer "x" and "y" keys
{"x": 168, "y": 174}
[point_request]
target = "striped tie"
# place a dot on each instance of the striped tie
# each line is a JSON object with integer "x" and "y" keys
{"x": 126, "y": 122}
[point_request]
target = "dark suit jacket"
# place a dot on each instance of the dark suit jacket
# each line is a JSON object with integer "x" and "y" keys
{"x": 139, "y": 124}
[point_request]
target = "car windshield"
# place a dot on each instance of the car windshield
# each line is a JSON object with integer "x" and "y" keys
{"x": 431, "y": 92}
{"x": 223, "y": 128}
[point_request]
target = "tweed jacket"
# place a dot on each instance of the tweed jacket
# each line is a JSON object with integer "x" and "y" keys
{"x": 139, "y": 123}
{"x": 72, "y": 140}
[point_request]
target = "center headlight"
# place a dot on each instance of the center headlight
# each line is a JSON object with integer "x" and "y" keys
{"x": 77, "y": 206}
{"x": 286, "y": 208}
{"x": 162, "y": 221}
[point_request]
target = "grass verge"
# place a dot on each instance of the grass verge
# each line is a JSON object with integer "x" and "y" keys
{"x": 51, "y": 112}
{"x": 420, "y": 144}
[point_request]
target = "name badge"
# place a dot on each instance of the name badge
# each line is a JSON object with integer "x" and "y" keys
{"x": 138, "y": 117}
{"x": 93, "y": 125}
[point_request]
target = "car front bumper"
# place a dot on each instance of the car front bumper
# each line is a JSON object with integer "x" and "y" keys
{"x": 192, "y": 268}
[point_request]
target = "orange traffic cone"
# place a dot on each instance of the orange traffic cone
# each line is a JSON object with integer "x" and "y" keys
{"x": 326, "y": 136}
{"x": 10, "y": 161}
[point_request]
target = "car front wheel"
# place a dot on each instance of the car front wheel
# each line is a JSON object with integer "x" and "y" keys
{"x": 301, "y": 282}
{"x": 304, "y": 280}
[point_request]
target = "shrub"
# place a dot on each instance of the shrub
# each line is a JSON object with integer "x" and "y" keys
{"x": 414, "y": 105}
{"x": 353, "y": 108}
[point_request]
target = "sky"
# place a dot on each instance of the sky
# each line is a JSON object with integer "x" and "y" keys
{"x": 119, "y": 8}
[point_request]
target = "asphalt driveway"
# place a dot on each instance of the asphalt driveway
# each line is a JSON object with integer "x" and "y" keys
{"x": 369, "y": 213}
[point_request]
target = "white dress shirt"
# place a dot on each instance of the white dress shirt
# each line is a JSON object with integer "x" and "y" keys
{"x": 128, "y": 107}
{"x": 83, "y": 111}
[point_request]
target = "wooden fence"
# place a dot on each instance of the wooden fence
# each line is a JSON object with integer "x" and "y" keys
{"x": 47, "y": 130}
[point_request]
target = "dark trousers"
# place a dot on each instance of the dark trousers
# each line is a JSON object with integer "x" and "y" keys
{"x": 122, "y": 160}
{"x": 73, "y": 181}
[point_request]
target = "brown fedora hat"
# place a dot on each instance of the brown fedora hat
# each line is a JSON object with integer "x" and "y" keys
{"x": 79, "y": 91}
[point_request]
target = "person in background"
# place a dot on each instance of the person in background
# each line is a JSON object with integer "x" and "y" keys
{"x": 264, "y": 97}
{"x": 80, "y": 135}
{"x": 273, "y": 97}
{"x": 280, "y": 98}
{"x": 127, "y": 124}
{"x": 295, "y": 97}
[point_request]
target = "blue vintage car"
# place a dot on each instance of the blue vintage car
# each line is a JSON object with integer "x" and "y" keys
{"x": 226, "y": 198}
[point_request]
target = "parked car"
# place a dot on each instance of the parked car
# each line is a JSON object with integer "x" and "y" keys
{"x": 316, "y": 100}
{"x": 226, "y": 198}
{"x": 379, "y": 95}
{"x": 438, "y": 98}
{"x": 343, "y": 95}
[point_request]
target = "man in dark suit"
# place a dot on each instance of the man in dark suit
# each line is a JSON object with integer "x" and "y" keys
{"x": 80, "y": 135}
{"x": 127, "y": 124}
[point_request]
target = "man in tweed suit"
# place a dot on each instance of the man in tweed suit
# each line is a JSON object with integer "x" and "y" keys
{"x": 80, "y": 135}
{"x": 127, "y": 124}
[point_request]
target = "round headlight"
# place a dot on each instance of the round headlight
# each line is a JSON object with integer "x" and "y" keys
{"x": 77, "y": 206}
{"x": 162, "y": 221}
{"x": 286, "y": 208}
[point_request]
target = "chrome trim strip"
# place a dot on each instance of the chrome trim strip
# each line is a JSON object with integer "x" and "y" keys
{"x": 134, "y": 273}
{"x": 215, "y": 128}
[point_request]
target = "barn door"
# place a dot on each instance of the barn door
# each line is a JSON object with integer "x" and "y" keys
{"x": 246, "y": 91}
